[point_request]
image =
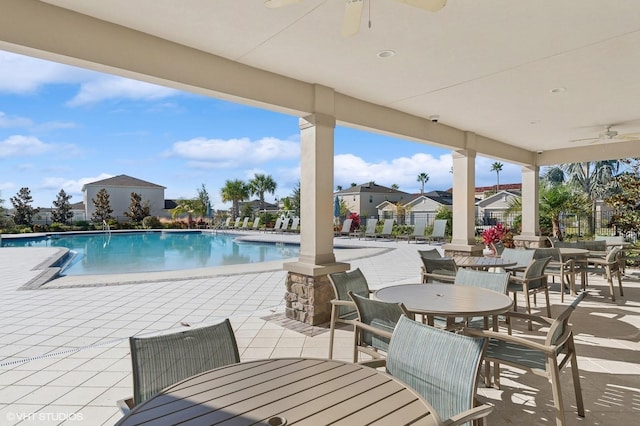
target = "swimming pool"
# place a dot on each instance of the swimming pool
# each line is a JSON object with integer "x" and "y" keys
{"x": 153, "y": 251}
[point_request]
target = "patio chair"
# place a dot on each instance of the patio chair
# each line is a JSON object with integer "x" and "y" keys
{"x": 565, "y": 269}
{"x": 532, "y": 281}
{"x": 276, "y": 226}
{"x": 608, "y": 266}
{"x": 346, "y": 228}
{"x": 245, "y": 223}
{"x": 295, "y": 223}
{"x": 343, "y": 310}
{"x": 440, "y": 365}
{"x": 496, "y": 281}
{"x": 438, "y": 233}
{"x": 442, "y": 270}
{"x": 284, "y": 226}
{"x": 387, "y": 229}
{"x": 374, "y": 315}
{"x": 226, "y": 224}
{"x": 370, "y": 230}
{"x": 162, "y": 360}
{"x": 522, "y": 258}
{"x": 256, "y": 224}
{"x": 418, "y": 232}
{"x": 530, "y": 353}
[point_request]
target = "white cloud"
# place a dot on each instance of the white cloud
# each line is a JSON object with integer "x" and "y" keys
{"x": 111, "y": 87}
{"x": 13, "y": 121}
{"x": 219, "y": 153}
{"x": 71, "y": 186}
{"x": 24, "y": 74}
{"x": 18, "y": 145}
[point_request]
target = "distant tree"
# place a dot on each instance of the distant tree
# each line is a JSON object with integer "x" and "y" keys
{"x": 395, "y": 186}
{"x": 138, "y": 209}
{"x": 338, "y": 187}
{"x": 5, "y": 221}
{"x": 423, "y": 178}
{"x": 497, "y": 167}
{"x": 234, "y": 191}
{"x": 24, "y": 212}
{"x": 62, "y": 208}
{"x": 295, "y": 199}
{"x": 556, "y": 200}
{"x": 260, "y": 184}
{"x": 625, "y": 203}
{"x": 353, "y": 184}
{"x": 102, "y": 207}
{"x": 204, "y": 198}
{"x": 190, "y": 207}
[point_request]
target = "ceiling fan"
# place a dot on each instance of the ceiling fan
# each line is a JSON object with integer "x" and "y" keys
{"x": 353, "y": 10}
{"x": 610, "y": 135}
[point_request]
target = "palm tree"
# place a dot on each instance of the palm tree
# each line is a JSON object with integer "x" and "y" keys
{"x": 497, "y": 167}
{"x": 593, "y": 179}
{"x": 234, "y": 191}
{"x": 261, "y": 184}
{"x": 395, "y": 186}
{"x": 423, "y": 178}
{"x": 338, "y": 187}
{"x": 558, "y": 199}
{"x": 190, "y": 207}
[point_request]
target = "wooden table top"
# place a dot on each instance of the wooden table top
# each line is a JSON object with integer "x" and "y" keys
{"x": 482, "y": 262}
{"x": 302, "y": 391}
{"x": 446, "y": 299}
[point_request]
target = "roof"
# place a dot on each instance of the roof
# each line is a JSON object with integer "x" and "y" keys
{"x": 370, "y": 188}
{"x": 505, "y": 186}
{"x": 123, "y": 180}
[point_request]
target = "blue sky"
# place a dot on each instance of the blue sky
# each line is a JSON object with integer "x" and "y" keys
{"x": 61, "y": 127}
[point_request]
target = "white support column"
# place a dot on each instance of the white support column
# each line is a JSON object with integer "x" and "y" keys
{"x": 530, "y": 234}
{"x": 464, "y": 167}
{"x": 308, "y": 291}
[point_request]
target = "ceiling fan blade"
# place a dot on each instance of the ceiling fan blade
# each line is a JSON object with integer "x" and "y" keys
{"x": 585, "y": 139}
{"x": 352, "y": 17}
{"x": 430, "y": 5}
{"x": 272, "y": 4}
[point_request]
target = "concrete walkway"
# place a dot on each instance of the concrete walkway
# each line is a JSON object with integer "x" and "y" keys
{"x": 64, "y": 356}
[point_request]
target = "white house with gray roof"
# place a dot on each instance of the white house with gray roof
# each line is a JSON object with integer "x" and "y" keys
{"x": 119, "y": 189}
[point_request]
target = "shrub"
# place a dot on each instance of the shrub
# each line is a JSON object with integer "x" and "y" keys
{"x": 56, "y": 227}
{"x": 151, "y": 222}
{"x": 355, "y": 221}
{"x": 82, "y": 225}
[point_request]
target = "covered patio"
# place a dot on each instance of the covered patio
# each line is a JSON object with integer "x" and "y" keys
{"x": 528, "y": 83}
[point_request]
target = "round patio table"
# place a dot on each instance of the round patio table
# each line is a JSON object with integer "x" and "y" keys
{"x": 448, "y": 300}
{"x": 286, "y": 390}
{"x": 482, "y": 262}
{"x": 577, "y": 254}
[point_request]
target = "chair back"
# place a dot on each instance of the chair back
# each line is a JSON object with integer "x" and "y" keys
{"x": 430, "y": 254}
{"x": 612, "y": 255}
{"x": 345, "y": 282}
{"x": 238, "y": 222}
{"x": 256, "y": 223}
{"x": 522, "y": 257}
{"x": 278, "y": 223}
{"x": 346, "y": 226}
{"x": 294, "y": 224}
{"x": 162, "y": 360}
{"x": 553, "y": 241}
{"x": 284, "y": 225}
{"x": 496, "y": 281}
{"x": 371, "y": 228}
{"x": 378, "y": 314}
{"x": 596, "y": 245}
{"x": 560, "y": 330}
{"x": 444, "y": 267}
{"x": 534, "y": 274}
{"x": 439, "y": 228}
{"x": 440, "y": 365}
{"x": 553, "y": 253}
{"x": 610, "y": 239}
{"x": 419, "y": 227}
{"x": 245, "y": 222}
{"x": 387, "y": 228}
{"x": 227, "y": 222}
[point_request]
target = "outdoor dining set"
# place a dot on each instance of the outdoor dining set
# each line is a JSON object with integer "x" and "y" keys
{"x": 420, "y": 350}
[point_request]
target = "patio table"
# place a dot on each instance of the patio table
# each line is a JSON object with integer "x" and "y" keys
{"x": 579, "y": 255}
{"x": 447, "y": 300}
{"x": 302, "y": 391}
{"x": 482, "y": 262}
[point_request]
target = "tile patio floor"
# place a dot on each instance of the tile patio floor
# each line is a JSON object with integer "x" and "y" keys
{"x": 64, "y": 356}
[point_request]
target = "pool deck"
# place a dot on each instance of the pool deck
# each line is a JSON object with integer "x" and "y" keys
{"x": 64, "y": 352}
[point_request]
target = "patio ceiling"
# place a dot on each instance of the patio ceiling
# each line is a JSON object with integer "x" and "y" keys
{"x": 486, "y": 67}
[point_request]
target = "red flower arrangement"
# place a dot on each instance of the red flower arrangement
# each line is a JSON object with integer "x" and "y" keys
{"x": 494, "y": 234}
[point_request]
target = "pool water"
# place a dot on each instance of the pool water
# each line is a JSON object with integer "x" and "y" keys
{"x": 152, "y": 251}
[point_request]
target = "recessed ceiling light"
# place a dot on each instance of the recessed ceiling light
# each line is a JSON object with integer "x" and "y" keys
{"x": 386, "y": 54}
{"x": 559, "y": 90}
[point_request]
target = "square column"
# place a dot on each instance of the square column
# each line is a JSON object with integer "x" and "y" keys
{"x": 464, "y": 219}
{"x": 308, "y": 290}
{"x": 530, "y": 234}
